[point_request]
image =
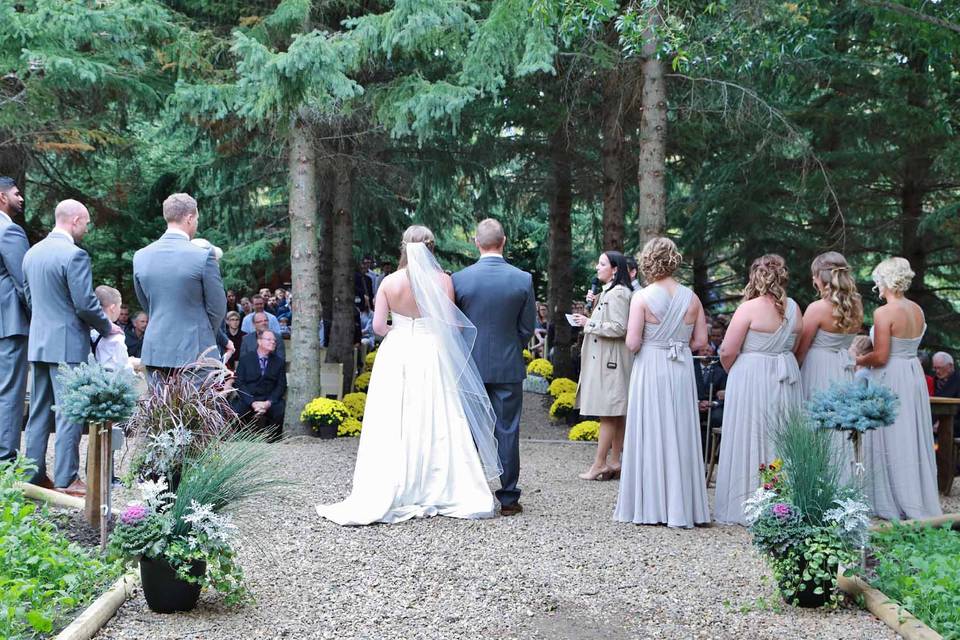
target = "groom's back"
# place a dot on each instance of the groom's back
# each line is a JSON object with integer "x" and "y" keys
{"x": 498, "y": 298}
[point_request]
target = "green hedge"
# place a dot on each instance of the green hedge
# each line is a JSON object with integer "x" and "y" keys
{"x": 919, "y": 567}
{"x": 44, "y": 578}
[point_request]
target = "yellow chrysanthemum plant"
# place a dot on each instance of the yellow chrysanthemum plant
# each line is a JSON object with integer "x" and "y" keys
{"x": 368, "y": 361}
{"x": 324, "y": 414}
{"x": 586, "y": 431}
{"x": 541, "y": 368}
{"x": 564, "y": 406}
{"x": 362, "y": 382}
{"x": 527, "y": 356}
{"x": 355, "y": 402}
{"x": 350, "y": 428}
{"x": 562, "y": 385}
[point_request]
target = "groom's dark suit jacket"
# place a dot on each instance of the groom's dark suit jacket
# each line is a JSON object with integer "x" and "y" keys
{"x": 498, "y": 298}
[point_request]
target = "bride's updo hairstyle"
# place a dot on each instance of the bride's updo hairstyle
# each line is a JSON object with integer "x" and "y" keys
{"x": 659, "y": 259}
{"x": 415, "y": 233}
{"x": 768, "y": 275}
{"x": 839, "y": 289}
{"x": 893, "y": 274}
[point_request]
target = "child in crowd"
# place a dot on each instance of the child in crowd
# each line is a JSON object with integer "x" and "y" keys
{"x": 110, "y": 351}
{"x": 861, "y": 346}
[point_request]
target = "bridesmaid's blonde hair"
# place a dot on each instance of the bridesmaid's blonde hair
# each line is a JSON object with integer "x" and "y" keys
{"x": 768, "y": 275}
{"x": 893, "y": 274}
{"x": 415, "y": 233}
{"x": 839, "y": 289}
{"x": 659, "y": 259}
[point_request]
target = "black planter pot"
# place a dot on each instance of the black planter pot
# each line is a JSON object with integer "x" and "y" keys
{"x": 810, "y": 600}
{"x": 164, "y": 591}
{"x": 324, "y": 432}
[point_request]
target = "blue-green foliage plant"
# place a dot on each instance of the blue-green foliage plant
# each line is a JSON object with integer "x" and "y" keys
{"x": 855, "y": 406}
{"x": 44, "y": 578}
{"x": 93, "y": 393}
{"x": 919, "y": 567}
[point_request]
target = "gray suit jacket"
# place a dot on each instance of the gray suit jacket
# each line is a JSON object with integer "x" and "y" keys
{"x": 59, "y": 289}
{"x": 14, "y": 312}
{"x": 498, "y": 298}
{"x": 179, "y": 287}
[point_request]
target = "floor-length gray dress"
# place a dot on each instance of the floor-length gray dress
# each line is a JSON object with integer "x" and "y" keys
{"x": 662, "y": 478}
{"x": 901, "y": 470}
{"x": 763, "y": 386}
{"x": 829, "y": 362}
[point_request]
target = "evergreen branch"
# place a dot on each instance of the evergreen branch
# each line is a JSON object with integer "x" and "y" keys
{"x": 912, "y": 13}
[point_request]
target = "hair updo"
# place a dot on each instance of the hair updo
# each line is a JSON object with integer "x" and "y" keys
{"x": 659, "y": 259}
{"x": 415, "y": 233}
{"x": 893, "y": 274}
{"x": 768, "y": 275}
{"x": 839, "y": 289}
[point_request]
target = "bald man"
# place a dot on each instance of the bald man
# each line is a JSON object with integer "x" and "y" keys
{"x": 59, "y": 290}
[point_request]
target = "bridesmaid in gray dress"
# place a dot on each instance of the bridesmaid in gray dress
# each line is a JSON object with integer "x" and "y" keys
{"x": 663, "y": 479}
{"x": 763, "y": 386}
{"x": 901, "y": 472}
{"x": 829, "y": 326}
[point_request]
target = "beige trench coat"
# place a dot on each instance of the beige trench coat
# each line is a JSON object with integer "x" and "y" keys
{"x": 605, "y": 361}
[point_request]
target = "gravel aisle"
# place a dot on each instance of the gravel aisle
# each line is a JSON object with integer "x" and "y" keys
{"x": 561, "y": 570}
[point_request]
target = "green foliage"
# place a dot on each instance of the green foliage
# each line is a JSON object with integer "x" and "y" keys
{"x": 812, "y": 567}
{"x": 44, "y": 578}
{"x": 919, "y": 567}
{"x": 92, "y": 393}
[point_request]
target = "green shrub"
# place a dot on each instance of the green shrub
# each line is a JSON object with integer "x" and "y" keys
{"x": 919, "y": 567}
{"x": 44, "y": 578}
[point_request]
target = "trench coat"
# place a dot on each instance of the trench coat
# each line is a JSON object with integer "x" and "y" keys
{"x": 605, "y": 360}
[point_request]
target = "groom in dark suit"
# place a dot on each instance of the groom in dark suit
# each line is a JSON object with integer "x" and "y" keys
{"x": 498, "y": 298}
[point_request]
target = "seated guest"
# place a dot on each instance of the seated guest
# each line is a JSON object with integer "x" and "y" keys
{"x": 134, "y": 338}
{"x": 284, "y": 326}
{"x": 947, "y": 383}
{"x": 249, "y": 341}
{"x": 711, "y": 380}
{"x": 259, "y": 306}
{"x": 110, "y": 351}
{"x": 261, "y": 383}
{"x": 283, "y": 305}
{"x": 123, "y": 320}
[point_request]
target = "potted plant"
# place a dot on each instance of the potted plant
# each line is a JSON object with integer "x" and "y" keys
{"x": 183, "y": 541}
{"x": 539, "y": 374}
{"x": 802, "y": 519}
{"x": 586, "y": 431}
{"x": 564, "y": 408}
{"x": 325, "y": 416}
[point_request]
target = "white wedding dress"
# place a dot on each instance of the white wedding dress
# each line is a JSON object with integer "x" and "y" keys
{"x": 424, "y": 420}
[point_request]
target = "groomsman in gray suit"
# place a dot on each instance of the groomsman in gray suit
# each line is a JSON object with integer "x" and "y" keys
{"x": 59, "y": 290}
{"x": 498, "y": 298}
{"x": 14, "y": 320}
{"x": 179, "y": 287}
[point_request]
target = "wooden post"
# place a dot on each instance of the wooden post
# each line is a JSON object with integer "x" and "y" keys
{"x": 97, "y": 500}
{"x": 944, "y": 410}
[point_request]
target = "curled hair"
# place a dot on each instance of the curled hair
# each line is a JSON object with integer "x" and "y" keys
{"x": 415, "y": 233}
{"x": 768, "y": 275}
{"x": 659, "y": 259}
{"x": 839, "y": 289}
{"x": 893, "y": 274}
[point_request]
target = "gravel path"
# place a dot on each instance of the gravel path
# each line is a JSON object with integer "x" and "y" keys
{"x": 561, "y": 570}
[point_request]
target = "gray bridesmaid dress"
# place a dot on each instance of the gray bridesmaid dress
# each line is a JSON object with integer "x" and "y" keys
{"x": 662, "y": 478}
{"x": 901, "y": 470}
{"x": 764, "y": 384}
{"x": 829, "y": 362}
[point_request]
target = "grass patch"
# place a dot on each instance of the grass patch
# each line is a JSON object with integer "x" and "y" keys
{"x": 44, "y": 578}
{"x": 919, "y": 567}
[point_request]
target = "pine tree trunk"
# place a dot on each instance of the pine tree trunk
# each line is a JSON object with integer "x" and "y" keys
{"x": 304, "y": 384}
{"x": 327, "y": 188}
{"x": 652, "y": 218}
{"x": 342, "y": 329}
{"x": 560, "y": 268}
{"x": 701, "y": 277}
{"x": 611, "y": 159}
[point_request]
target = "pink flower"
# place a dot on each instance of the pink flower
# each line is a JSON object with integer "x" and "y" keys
{"x": 133, "y": 514}
{"x": 768, "y": 486}
{"x": 762, "y": 466}
{"x": 782, "y": 510}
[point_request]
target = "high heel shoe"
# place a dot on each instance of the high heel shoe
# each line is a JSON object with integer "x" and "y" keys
{"x": 602, "y": 474}
{"x": 614, "y": 473}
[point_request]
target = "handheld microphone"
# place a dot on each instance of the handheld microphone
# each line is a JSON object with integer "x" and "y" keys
{"x": 594, "y": 289}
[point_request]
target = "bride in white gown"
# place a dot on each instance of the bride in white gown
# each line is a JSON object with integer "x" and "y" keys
{"x": 427, "y": 446}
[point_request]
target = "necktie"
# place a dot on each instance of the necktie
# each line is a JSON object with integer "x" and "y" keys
{"x": 263, "y": 366}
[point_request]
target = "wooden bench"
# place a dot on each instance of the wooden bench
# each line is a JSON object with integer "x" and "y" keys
{"x": 944, "y": 410}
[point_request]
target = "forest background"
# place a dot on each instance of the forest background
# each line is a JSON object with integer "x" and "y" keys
{"x": 314, "y": 131}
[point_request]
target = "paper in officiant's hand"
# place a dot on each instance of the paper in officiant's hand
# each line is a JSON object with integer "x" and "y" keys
{"x": 572, "y": 319}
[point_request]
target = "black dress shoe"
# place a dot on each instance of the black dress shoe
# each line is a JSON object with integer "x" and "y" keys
{"x": 43, "y": 482}
{"x": 511, "y": 509}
